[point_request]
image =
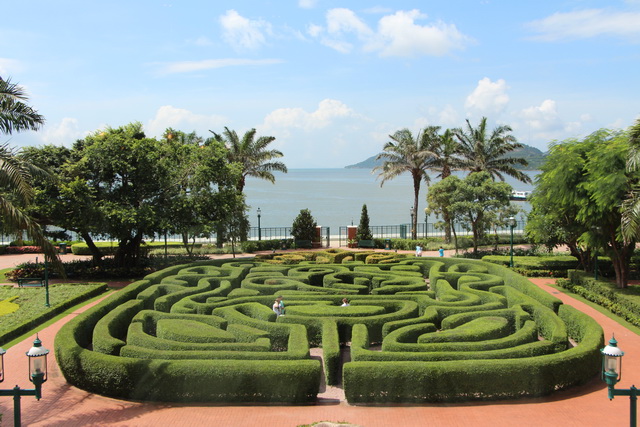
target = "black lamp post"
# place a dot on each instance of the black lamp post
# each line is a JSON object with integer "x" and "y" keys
{"x": 612, "y": 373}
{"x": 512, "y": 224}
{"x": 259, "y": 229}
{"x": 37, "y": 356}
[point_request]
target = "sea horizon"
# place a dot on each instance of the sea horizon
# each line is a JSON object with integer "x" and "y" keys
{"x": 335, "y": 197}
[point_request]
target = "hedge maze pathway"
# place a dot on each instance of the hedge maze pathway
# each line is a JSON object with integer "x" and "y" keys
{"x": 206, "y": 332}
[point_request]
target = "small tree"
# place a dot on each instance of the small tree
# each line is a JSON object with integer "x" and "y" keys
{"x": 304, "y": 226}
{"x": 364, "y": 232}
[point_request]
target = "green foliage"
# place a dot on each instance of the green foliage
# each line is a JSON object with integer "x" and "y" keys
{"x": 472, "y": 200}
{"x": 622, "y": 302}
{"x": 577, "y": 199}
{"x": 304, "y": 226}
{"x": 212, "y": 322}
{"x": 364, "y": 232}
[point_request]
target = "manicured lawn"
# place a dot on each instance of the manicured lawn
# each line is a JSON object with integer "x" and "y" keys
{"x": 31, "y": 302}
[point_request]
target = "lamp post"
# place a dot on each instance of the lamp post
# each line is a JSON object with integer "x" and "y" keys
{"x": 37, "y": 356}
{"x": 512, "y": 224}
{"x": 612, "y": 373}
{"x": 259, "y": 229}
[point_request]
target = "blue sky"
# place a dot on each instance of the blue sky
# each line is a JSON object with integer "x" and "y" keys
{"x": 329, "y": 79}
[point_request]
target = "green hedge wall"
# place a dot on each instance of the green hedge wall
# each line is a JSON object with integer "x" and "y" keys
{"x": 421, "y": 330}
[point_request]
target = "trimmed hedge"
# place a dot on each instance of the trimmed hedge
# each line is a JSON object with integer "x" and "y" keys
{"x": 440, "y": 321}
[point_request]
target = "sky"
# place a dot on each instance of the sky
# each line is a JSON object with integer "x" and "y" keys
{"x": 330, "y": 80}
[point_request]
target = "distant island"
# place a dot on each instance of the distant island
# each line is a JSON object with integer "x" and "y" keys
{"x": 531, "y": 154}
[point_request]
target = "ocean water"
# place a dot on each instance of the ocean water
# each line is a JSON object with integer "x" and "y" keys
{"x": 335, "y": 198}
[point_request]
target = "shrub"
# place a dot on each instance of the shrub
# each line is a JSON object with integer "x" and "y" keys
{"x": 304, "y": 226}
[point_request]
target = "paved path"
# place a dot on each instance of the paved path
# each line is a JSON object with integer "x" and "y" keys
{"x": 64, "y": 405}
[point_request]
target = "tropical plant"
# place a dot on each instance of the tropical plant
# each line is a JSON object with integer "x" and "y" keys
{"x": 406, "y": 154}
{"x": 481, "y": 151}
{"x": 631, "y": 206}
{"x": 364, "y": 232}
{"x": 252, "y": 154}
{"x": 445, "y": 160}
{"x": 304, "y": 226}
{"x": 16, "y": 174}
{"x": 15, "y": 114}
{"x": 579, "y": 195}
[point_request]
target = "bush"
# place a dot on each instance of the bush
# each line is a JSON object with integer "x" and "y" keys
{"x": 304, "y": 226}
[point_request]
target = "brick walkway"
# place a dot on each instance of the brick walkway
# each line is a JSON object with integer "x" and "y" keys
{"x": 64, "y": 405}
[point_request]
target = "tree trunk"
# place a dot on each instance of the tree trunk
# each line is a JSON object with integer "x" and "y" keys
{"x": 95, "y": 252}
{"x": 414, "y": 217}
{"x": 447, "y": 226}
{"x": 128, "y": 252}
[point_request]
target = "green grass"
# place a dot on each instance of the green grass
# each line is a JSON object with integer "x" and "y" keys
{"x": 3, "y": 278}
{"x": 32, "y": 302}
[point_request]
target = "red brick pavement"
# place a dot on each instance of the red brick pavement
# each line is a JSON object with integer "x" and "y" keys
{"x": 65, "y": 405}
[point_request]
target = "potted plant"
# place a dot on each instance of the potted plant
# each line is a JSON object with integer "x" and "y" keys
{"x": 364, "y": 235}
{"x": 352, "y": 243}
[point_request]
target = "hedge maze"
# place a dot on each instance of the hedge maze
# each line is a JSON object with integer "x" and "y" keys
{"x": 419, "y": 330}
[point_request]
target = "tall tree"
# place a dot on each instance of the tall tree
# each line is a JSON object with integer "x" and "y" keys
{"x": 16, "y": 174}
{"x": 406, "y": 154}
{"x": 252, "y": 154}
{"x": 445, "y": 160}
{"x": 579, "y": 196}
{"x": 631, "y": 205}
{"x": 481, "y": 151}
{"x": 364, "y": 232}
{"x": 475, "y": 200}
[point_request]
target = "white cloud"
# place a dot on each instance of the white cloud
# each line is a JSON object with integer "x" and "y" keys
{"x": 307, "y": 4}
{"x": 587, "y": 23}
{"x": 243, "y": 33}
{"x": 333, "y": 129}
{"x": 8, "y": 67}
{"x": 209, "y": 64}
{"x": 64, "y": 133}
{"x": 488, "y": 97}
{"x": 328, "y": 110}
{"x": 185, "y": 120}
{"x": 397, "y": 34}
{"x": 401, "y": 36}
{"x": 314, "y": 30}
{"x": 542, "y": 118}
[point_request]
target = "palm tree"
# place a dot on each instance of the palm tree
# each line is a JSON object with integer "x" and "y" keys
{"x": 16, "y": 174}
{"x": 483, "y": 152}
{"x": 15, "y": 115}
{"x": 445, "y": 160}
{"x": 252, "y": 155}
{"x": 631, "y": 206}
{"x": 406, "y": 154}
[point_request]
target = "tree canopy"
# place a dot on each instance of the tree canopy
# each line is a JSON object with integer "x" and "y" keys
{"x": 578, "y": 196}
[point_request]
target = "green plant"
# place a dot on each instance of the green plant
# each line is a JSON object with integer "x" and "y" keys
{"x": 364, "y": 232}
{"x": 304, "y": 226}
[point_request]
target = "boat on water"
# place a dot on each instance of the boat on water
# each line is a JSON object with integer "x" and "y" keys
{"x": 520, "y": 195}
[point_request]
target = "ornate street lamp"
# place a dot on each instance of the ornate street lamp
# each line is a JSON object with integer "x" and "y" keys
{"x": 259, "y": 229}
{"x": 612, "y": 373}
{"x": 512, "y": 224}
{"x": 37, "y": 356}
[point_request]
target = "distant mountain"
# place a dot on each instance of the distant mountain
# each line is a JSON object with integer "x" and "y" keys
{"x": 531, "y": 154}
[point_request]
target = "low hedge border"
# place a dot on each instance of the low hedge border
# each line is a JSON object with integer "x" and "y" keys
{"x": 605, "y": 294}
